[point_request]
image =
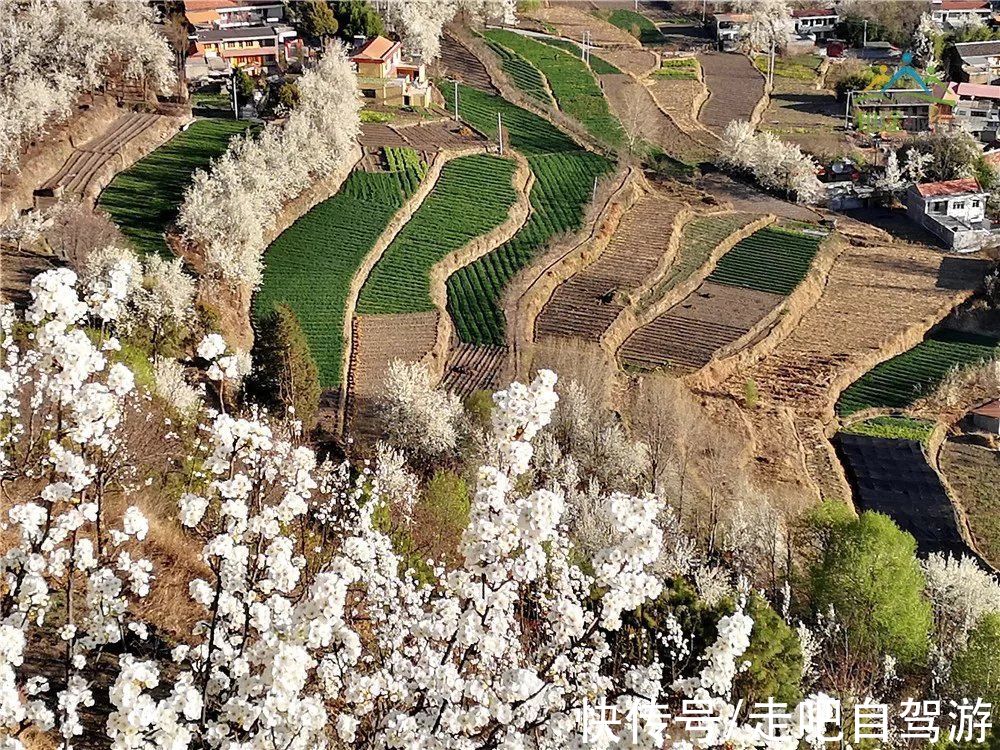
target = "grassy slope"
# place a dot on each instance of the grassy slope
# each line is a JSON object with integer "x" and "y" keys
{"x": 571, "y": 81}
{"x": 311, "y": 264}
{"x": 472, "y": 197}
{"x": 599, "y": 66}
{"x": 564, "y": 177}
{"x": 144, "y": 199}
{"x": 636, "y": 24}
{"x": 898, "y": 382}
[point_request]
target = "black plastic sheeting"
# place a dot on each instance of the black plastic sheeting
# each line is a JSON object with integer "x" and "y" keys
{"x": 892, "y": 476}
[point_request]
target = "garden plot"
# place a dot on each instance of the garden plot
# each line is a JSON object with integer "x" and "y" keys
{"x": 460, "y": 64}
{"x": 564, "y": 180}
{"x": 586, "y": 304}
{"x": 472, "y": 196}
{"x": 973, "y": 473}
{"x": 637, "y": 62}
{"x": 144, "y": 199}
{"x": 472, "y": 368}
{"x": 572, "y": 22}
{"x": 749, "y": 282}
{"x": 677, "y": 97}
{"x": 898, "y": 382}
{"x": 572, "y": 83}
{"x": 688, "y": 335}
{"x": 428, "y": 137}
{"x": 893, "y": 477}
{"x": 89, "y": 160}
{"x": 310, "y": 266}
{"x": 638, "y": 112}
{"x": 377, "y": 341}
{"x": 735, "y": 87}
{"x": 800, "y": 113}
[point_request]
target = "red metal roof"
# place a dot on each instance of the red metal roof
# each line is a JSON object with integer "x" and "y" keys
{"x": 810, "y": 12}
{"x": 978, "y": 90}
{"x": 964, "y": 5}
{"x": 992, "y": 409}
{"x": 949, "y": 187}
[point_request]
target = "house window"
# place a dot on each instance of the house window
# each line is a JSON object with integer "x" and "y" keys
{"x": 938, "y": 207}
{"x": 958, "y": 205}
{"x": 975, "y": 203}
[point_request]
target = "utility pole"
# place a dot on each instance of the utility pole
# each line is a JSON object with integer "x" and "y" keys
{"x": 232, "y": 82}
{"x": 864, "y": 39}
{"x": 457, "y": 118}
{"x": 500, "y": 132}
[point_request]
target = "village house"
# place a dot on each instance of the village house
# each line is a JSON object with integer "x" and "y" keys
{"x": 910, "y": 110}
{"x": 245, "y": 34}
{"x": 728, "y": 28}
{"x": 953, "y": 14}
{"x": 954, "y": 211}
{"x": 974, "y": 62}
{"x": 818, "y": 23}
{"x": 976, "y": 107}
{"x": 386, "y": 78}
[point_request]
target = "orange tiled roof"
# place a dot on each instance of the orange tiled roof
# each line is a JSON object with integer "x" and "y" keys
{"x": 378, "y": 49}
{"x": 949, "y": 187}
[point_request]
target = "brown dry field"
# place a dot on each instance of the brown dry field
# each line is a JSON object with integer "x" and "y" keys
{"x": 573, "y": 21}
{"x": 637, "y": 62}
{"x": 473, "y": 368}
{"x": 587, "y": 303}
{"x": 689, "y": 334}
{"x": 677, "y": 98}
{"x": 638, "y": 112}
{"x": 811, "y": 118}
{"x": 735, "y": 87}
{"x": 429, "y": 136}
{"x": 745, "y": 197}
{"x": 378, "y": 340}
{"x": 461, "y": 64}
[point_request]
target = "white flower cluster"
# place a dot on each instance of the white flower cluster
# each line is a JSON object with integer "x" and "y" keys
{"x": 54, "y": 49}
{"x": 772, "y": 162}
{"x": 229, "y": 209}
{"x": 66, "y": 544}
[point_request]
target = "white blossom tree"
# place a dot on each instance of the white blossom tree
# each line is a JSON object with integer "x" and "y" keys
{"x": 421, "y": 22}
{"x": 228, "y": 209}
{"x": 770, "y": 161}
{"x": 768, "y": 29}
{"x": 414, "y": 415}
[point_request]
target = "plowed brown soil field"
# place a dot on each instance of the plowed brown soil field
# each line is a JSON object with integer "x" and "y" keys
{"x": 573, "y": 21}
{"x": 473, "y": 368}
{"x": 587, "y": 304}
{"x": 735, "y": 86}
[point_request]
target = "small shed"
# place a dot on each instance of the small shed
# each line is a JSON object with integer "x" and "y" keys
{"x": 987, "y": 417}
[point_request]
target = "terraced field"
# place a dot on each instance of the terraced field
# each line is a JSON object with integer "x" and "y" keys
{"x": 635, "y": 24}
{"x": 771, "y": 260}
{"x": 973, "y": 473}
{"x": 572, "y": 83}
{"x": 898, "y": 382}
{"x": 699, "y": 237}
{"x": 471, "y": 368}
{"x": 586, "y": 304}
{"x": 144, "y": 199}
{"x": 735, "y": 87}
{"x": 472, "y": 196}
{"x": 599, "y": 65}
{"x": 748, "y": 284}
{"x": 463, "y": 66}
{"x": 311, "y": 264}
{"x": 564, "y": 179}
{"x": 522, "y": 73}
{"x": 573, "y": 22}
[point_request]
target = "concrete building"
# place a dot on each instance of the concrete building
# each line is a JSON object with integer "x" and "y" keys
{"x": 953, "y": 14}
{"x": 954, "y": 211}
{"x": 385, "y": 77}
{"x": 977, "y": 109}
{"x": 974, "y": 62}
{"x": 910, "y": 110}
{"x": 728, "y": 28}
{"x": 229, "y": 14}
{"x": 258, "y": 49}
{"x": 819, "y": 23}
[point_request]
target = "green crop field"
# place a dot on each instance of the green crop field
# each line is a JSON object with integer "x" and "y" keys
{"x": 698, "y": 239}
{"x": 144, "y": 199}
{"x": 564, "y": 179}
{"x": 472, "y": 197}
{"x": 898, "y": 382}
{"x": 310, "y": 266}
{"x": 522, "y": 73}
{"x": 635, "y": 24}
{"x": 684, "y": 68}
{"x": 772, "y": 260}
{"x": 598, "y": 65}
{"x": 895, "y": 427}
{"x": 571, "y": 81}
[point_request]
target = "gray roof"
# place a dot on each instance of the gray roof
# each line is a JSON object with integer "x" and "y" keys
{"x": 969, "y": 50}
{"x": 242, "y": 32}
